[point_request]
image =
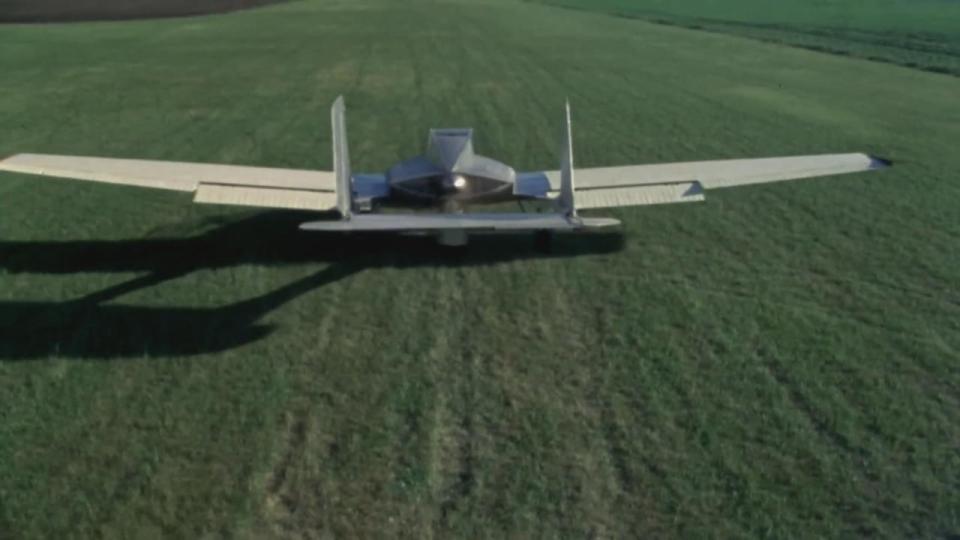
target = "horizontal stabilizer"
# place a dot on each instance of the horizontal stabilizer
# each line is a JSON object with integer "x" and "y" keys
{"x": 466, "y": 222}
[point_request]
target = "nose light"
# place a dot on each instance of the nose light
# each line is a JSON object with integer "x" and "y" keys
{"x": 455, "y": 182}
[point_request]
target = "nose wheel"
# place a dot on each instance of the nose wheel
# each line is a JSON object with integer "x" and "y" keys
{"x": 450, "y": 206}
{"x": 452, "y": 237}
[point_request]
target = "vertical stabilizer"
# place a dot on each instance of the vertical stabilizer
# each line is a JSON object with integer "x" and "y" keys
{"x": 565, "y": 201}
{"x": 341, "y": 158}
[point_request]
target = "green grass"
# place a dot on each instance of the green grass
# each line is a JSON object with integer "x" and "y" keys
{"x": 779, "y": 361}
{"x": 923, "y": 34}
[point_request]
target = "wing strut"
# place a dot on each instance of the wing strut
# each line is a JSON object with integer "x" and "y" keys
{"x": 341, "y": 158}
{"x": 566, "y": 201}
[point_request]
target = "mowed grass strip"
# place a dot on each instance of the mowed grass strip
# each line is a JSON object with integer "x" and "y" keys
{"x": 922, "y": 34}
{"x": 780, "y": 360}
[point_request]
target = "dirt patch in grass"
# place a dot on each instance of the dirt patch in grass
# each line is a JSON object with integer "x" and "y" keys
{"x": 39, "y": 11}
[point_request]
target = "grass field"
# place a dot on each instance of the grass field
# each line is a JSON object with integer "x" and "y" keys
{"x": 923, "y": 34}
{"x": 779, "y": 361}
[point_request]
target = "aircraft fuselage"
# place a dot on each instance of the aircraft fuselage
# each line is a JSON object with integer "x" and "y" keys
{"x": 450, "y": 173}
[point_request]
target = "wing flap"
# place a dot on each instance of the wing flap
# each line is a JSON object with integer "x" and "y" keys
{"x": 639, "y": 195}
{"x": 265, "y": 197}
{"x": 165, "y": 174}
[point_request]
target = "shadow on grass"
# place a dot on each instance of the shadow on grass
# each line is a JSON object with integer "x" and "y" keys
{"x": 88, "y": 328}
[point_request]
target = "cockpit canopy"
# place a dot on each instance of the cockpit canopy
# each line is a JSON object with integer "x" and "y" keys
{"x": 447, "y": 148}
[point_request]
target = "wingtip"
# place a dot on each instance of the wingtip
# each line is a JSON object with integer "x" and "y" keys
{"x": 877, "y": 162}
{"x": 9, "y": 160}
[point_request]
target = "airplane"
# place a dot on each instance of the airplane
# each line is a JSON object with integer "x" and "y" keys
{"x": 448, "y": 178}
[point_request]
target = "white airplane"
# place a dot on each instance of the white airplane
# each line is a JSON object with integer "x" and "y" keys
{"x": 447, "y": 178}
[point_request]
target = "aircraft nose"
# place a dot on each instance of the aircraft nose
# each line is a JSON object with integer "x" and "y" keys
{"x": 454, "y": 182}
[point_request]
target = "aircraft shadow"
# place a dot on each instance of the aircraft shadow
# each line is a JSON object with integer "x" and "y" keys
{"x": 88, "y": 327}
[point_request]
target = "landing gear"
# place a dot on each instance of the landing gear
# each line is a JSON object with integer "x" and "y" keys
{"x": 452, "y": 237}
{"x": 451, "y": 206}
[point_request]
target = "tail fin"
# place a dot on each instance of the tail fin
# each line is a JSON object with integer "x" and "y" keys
{"x": 341, "y": 158}
{"x": 565, "y": 201}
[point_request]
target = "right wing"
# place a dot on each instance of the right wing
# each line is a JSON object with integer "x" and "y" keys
{"x": 630, "y": 185}
{"x": 211, "y": 183}
{"x": 727, "y": 172}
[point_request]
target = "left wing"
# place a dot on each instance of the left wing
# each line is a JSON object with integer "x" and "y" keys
{"x": 224, "y": 184}
{"x": 211, "y": 183}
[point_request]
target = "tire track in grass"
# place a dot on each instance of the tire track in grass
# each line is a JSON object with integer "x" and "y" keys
{"x": 606, "y": 483}
{"x": 452, "y": 451}
{"x": 712, "y": 483}
{"x": 601, "y": 397}
{"x": 882, "y": 451}
{"x": 613, "y": 434}
{"x": 849, "y": 451}
{"x": 375, "y": 477}
{"x": 598, "y": 387}
{"x": 294, "y": 441}
{"x": 900, "y": 325}
{"x": 803, "y": 405}
{"x": 359, "y": 472}
{"x": 461, "y": 477}
{"x": 281, "y": 501}
{"x": 864, "y": 452}
{"x": 530, "y": 453}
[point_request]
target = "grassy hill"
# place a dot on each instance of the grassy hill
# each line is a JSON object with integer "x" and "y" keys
{"x": 88, "y": 10}
{"x": 779, "y": 361}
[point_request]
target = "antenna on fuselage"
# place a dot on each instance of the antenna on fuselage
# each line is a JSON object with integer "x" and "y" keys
{"x": 566, "y": 201}
{"x": 341, "y": 158}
